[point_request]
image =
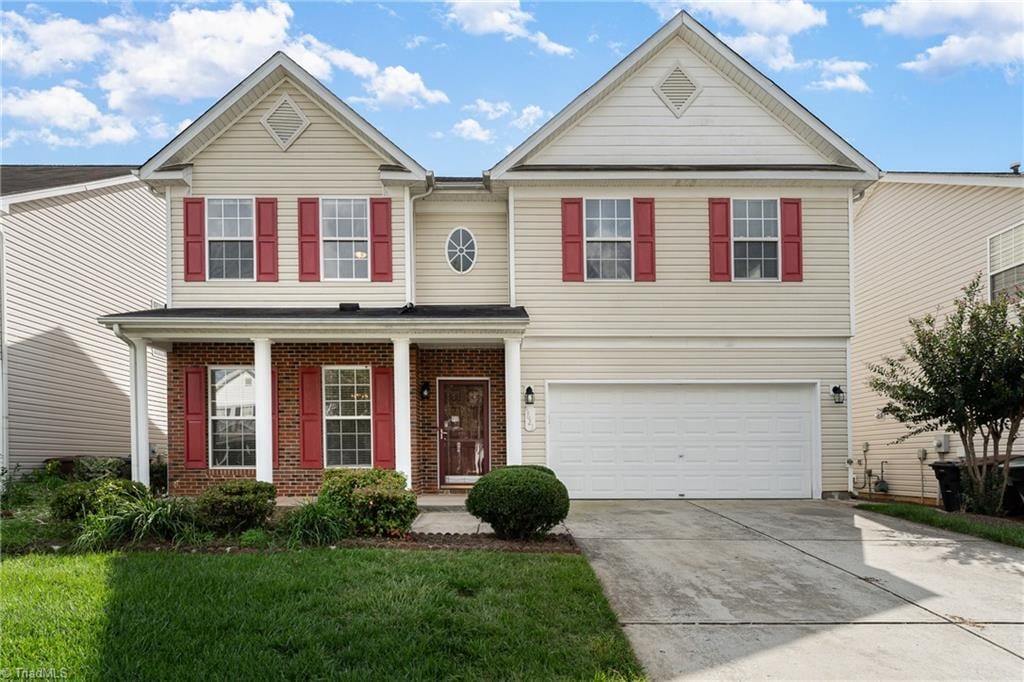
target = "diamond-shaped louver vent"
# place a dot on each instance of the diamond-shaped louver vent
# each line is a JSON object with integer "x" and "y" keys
{"x": 677, "y": 90}
{"x": 285, "y": 122}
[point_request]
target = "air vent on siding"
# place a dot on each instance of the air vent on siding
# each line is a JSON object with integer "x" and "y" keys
{"x": 677, "y": 90}
{"x": 285, "y": 122}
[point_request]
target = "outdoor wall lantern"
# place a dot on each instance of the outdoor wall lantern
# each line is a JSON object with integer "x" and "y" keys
{"x": 838, "y": 397}
{"x": 424, "y": 390}
{"x": 529, "y": 395}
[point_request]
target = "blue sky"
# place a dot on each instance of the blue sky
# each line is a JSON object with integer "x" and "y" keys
{"x": 914, "y": 86}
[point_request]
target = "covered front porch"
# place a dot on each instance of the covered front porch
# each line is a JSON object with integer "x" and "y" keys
{"x": 280, "y": 394}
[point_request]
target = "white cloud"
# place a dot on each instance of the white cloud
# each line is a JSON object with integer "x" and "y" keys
{"x": 437, "y": 135}
{"x": 52, "y": 44}
{"x": 387, "y": 10}
{"x": 504, "y": 17}
{"x": 616, "y": 47}
{"x": 399, "y": 87}
{"x": 775, "y": 51}
{"x": 841, "y": 74}
{"x": 593, "y": 38}
{"x": 470, "y": 129}
{"x": 835, "y": 65}
{"x": 976, "y": 34}
{"x": 415, "y": 42}
{"x": 158, "y": 128}
{"x": 491, "y": 110}
{"x": 529, "y": 117}
{"x": 80, "y": 121}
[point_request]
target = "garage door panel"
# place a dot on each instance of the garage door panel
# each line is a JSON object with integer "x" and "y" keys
{"x": 690, "y": 440}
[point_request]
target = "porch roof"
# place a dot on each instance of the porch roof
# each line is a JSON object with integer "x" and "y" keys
{"x": 339, "y": 313}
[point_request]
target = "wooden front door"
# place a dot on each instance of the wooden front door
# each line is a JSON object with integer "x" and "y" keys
{"x": 463, "y": 430}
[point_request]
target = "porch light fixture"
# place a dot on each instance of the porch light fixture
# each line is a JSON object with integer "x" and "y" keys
{"x": 529, "y": 395}
{"x": 424, "y": 390}
{"x": 838, "y": 397}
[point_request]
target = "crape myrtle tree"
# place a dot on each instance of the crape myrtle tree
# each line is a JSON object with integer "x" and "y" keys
{"x": 965, "y": 375}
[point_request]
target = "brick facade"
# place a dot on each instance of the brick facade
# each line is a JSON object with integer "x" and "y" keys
{"x": 287, "y": 358}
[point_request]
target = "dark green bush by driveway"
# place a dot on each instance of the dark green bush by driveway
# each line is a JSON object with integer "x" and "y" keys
{"x": 519, "y": 502}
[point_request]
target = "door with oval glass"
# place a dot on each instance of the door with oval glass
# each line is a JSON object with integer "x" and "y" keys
{"x": 464, "y": 430}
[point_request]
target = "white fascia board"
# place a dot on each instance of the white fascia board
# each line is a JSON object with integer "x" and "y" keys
{"x": 23, "y": 197}
{"x": 280, "y": 59}
{"x": 694, "y": 176}
{"x": 399, "y": 177}
{"x": 968, "y": 179}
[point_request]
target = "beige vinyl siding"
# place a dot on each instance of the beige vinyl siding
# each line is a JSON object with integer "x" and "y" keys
{"x": 544, "y": 361}
{"x": 487, "y": 282}
{"x": 723, "y": 125}
{"x": 683, "y": 301}
{"x": 327, "y": 160}
{"x": 69, "y": 260}
{"x": 915, "y": 247}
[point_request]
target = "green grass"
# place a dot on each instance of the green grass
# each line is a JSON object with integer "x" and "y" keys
{"x": 1008, "y": 533}
{"x": 349, "y": 614}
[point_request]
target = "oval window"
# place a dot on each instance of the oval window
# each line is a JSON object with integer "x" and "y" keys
{"x": 461, "y": 250}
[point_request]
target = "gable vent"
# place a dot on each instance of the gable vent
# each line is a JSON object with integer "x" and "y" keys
{"x": 677, "y": 90}
{"x": 285, "y": 122}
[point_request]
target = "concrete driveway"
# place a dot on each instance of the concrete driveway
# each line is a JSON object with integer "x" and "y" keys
{"x": 803, "y": 590}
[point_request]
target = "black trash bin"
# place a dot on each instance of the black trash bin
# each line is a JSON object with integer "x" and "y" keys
{"x": 948, "y": 475}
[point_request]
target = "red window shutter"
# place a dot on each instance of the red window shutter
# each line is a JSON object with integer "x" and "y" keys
{"x": 195, "y": 418}
{"x": 266, "y": 240}
{"x": 643, "y": 240}
{"x": 721, "y": 231}
{"x": 572, "y": 240}
{"x": 311, "y": 444}
{"x": 380, "y": 239}
{"x": 791, "y": 236}
{"x": 195, "y": 239}
{"x": 383, "y": 418}
{"x": 274, "y": 410}
{"x": 309, "y": 240}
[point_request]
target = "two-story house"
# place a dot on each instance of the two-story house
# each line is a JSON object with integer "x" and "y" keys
{"x": 651, "y": 294}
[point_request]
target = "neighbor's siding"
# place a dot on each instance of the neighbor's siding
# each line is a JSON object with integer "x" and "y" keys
{"x": 723, "y": 125}
{"x": 487, "y": 282}
{"x": 69, "y": 260}
{"x": 683, "y": 301}
{"x": 545, "y": 361}
{"x": 915, "y": 247}
{"x": 328, "y": 160}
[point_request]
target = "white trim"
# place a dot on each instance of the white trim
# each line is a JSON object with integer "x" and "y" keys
{"x": 209, "y": 416}
{"x": 512, "y": 246}
{"x": 988, "y": 259}
{"x": 513, "y": 401}
{"x": 263, "y": 383}
{"x": 969, "y": 179}
{"x": 850, "y": 262}
{"x": 476, "y": 250}
{"x": 849, "y": 416}
{"x": 168, "y": 245}
{"x": 34, "y": 195}
{"x": 140, "y": 394}
{"x": 283, "y": 61}
{"x": 265, "y": 121}
{"x": 324, "y": 417}
{"x": 746, "y": 240}
{"x": 5, "y": 459}
{"x": 629, "y": 240}
{"x": 401, "y": 388}
{"x": 816, "y": 445}
{"x": 843, "y": 177}
{"x": 410, "y": 247}
{"x": 352, "y": 240}
{"x": 437, "y": 419}
{"x": 206, "y": 238}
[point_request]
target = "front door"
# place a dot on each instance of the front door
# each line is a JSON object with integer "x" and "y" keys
{"x": 464, "y": 430}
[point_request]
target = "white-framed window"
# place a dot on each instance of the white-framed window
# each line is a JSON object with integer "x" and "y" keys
{"x": 755, "y": 239}
{"x": 1006, "y": 263}
{"x": 460, "y": 250}
{"x": 348, "y": 422}
{"x": 232, "y": 415}
{"x": 345, "y": 238}
{"x": 608, "y": 239}
{"x": 230, "y": 238}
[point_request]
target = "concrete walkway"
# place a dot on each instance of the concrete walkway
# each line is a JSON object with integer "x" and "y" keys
{"x": 803, "y": 590}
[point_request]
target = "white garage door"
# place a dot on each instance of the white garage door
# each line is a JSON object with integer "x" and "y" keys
{"x": 683, "y": 440}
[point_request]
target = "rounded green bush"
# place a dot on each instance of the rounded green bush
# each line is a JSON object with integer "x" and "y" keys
{"x": 519, "y": 502}
{"x": 72, "y": 501}
{"x": 535, "y": 467}
{"x": 233, "y": 506}
{"x": 109, "y": 492}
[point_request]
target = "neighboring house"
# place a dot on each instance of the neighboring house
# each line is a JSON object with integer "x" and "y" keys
{"x": 919, "y": 239}
{"x": 77, "y": 242}
{"x": 651, "y": 294}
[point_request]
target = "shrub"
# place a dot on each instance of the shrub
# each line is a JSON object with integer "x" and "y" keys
{"x": 134, "y": 520}
{"x": 108, "y": 493}
{"x": 535, "y": 467}
{"x": 72, "y": 501}
{"x": 316, "y": 523}
{"x": 234, "y": 506}
{"x": 98, "y": 468}
{"x": 340, "y": 483}
{"x": 381, "y": 510}
{"x": 158, "y": 476}
{"x": 519, "y": 502}
{"x": 256, "y": 538}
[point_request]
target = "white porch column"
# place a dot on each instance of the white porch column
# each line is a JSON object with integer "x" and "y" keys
{"x": 403, "y": 411}
{"x": 141, "y": 398}
{"x": 264, "y": 417}
{"x": 513, "y": 409}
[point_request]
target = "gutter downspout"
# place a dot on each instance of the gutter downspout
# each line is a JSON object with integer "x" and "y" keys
{"x": 132, "y": 402}
{"x": 410, "y": 232}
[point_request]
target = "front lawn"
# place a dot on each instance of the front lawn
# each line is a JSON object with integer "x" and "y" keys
{"x": 348, "y": 613}
{"x": 999, "y": 530}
